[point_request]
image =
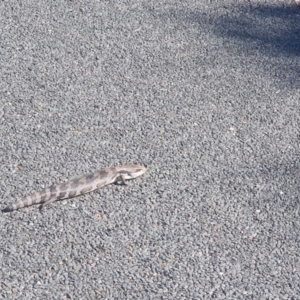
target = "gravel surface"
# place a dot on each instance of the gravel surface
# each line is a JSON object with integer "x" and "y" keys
{"x": 203, "y": 93}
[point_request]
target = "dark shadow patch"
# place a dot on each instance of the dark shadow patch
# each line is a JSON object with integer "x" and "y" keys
{"x": 275, "y": 28}
{"x": 7, "y": 209}
{"x": 250, "y": 30}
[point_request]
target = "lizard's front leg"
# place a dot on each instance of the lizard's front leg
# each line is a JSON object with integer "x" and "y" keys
{"x": 121, "y": 178}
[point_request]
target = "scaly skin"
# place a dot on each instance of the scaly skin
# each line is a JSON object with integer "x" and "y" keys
{"x": 79, "y": 186}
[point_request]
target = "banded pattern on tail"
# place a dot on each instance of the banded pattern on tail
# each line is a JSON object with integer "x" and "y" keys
{"x": 79, "y": 186}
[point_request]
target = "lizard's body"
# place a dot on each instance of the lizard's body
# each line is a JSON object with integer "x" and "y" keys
{"x": 79, "y": 186}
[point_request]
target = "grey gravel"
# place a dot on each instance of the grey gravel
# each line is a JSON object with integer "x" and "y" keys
{"x": 205, "y": 94}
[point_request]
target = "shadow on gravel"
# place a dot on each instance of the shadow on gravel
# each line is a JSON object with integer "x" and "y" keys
{"x": 273, "y": 31}
{"x": 270, "y": 27}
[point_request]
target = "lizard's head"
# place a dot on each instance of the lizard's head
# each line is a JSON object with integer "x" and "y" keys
{"x": 131, "y": 171}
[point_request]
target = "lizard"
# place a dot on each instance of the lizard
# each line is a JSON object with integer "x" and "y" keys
{"x": 78, "y": 186}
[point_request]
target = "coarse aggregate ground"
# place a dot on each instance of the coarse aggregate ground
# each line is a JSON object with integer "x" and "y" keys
{"x": 205, "y": 94}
